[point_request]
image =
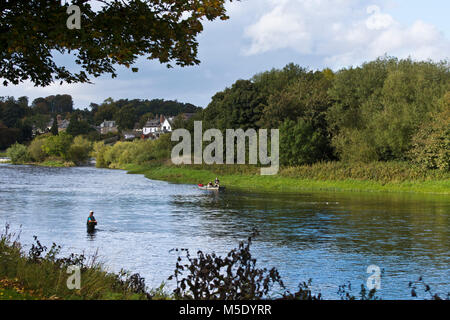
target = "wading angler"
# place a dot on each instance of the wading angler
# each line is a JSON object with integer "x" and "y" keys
{"x": 235, "y": 140}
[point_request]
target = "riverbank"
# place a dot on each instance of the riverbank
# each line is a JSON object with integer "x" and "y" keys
{"x": 41, "y": 275}
{"x": 54, "y": 164}
{"x": 319, "y": 177}
{"x": 4, "y": 157}
{"x": 323, "y": 177}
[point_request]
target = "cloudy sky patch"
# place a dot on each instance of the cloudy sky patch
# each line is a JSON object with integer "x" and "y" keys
{"x": 266, "y": 34}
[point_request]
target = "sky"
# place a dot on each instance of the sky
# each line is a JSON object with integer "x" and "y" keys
{"x": 266, "y": 34}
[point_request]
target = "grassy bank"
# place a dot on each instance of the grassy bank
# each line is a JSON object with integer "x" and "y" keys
{"x": 54, "y": 163}
{"x": 377, "y": 177}
{"x": 41, "y": 274}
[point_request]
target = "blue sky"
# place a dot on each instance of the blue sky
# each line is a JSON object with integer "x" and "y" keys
{"x": 265, "y": 34}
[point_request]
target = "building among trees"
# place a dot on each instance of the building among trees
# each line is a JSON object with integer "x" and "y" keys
{"x": 61, "y": 123}
{"x": 108, "y": 126}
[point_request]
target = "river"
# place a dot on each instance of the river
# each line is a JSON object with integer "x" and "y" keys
{"x": 331, "y": 238}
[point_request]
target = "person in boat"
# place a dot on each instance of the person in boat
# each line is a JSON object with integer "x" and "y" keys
{"x": 210, "y": 184}
{"x": 91, "y": 222}
{"x": 216, "y": 182}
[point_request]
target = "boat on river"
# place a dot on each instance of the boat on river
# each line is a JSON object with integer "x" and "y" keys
{"x": 213, "y": 188}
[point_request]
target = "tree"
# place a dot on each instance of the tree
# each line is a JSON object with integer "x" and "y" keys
{"x": 61, "y": 103}
{"x": 301, "y": 143}
{"x": 144, "y": 118}
{"x": 58, "y": 145}
{"x": 306, "y": 97}
{"x": 76, "y": 126}
{"x": 119, "y": 33}
{"x": 379, "y": 107}
{"x": 105, "y": 112}
{"x": 11, "y": 112}
{"x": 276, "y": 80}
{"x": 35, "y": 148}
{"x": 431, "y": 144}
{"x": 125, "y": 117}
{"x": 237, "y": 107}
{"x": 54, "y": 128}
{"x": 23, "y": 101}
{"x": 40, "y": 121}
{"x": 8, "y": 136}
{"x": 79, "y": 150}
{"x": 40, "y": 106}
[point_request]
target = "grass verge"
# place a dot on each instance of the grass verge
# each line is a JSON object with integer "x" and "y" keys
{"x": 295, "y": 179}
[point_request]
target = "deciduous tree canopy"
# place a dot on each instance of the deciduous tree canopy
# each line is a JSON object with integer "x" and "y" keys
{"x": 386, "y": 109}
{"x": 120, "y": 32}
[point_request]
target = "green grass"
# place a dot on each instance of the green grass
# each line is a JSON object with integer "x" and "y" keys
{"x": 293, "y": 180}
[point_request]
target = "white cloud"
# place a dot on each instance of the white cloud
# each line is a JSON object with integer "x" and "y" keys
{"x": 342, "y": 32}
{"x": 378, "y": 20}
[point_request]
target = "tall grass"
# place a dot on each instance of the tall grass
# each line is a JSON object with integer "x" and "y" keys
{"x": 384, "y": 172}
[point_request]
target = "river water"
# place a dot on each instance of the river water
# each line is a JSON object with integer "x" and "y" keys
{"x": 331, "y": 238}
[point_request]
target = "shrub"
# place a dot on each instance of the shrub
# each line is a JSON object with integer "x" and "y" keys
{"x": 136, "y": 152}
{"x": 58, "y": 145}
{"x": 18, "y": 153}
{"x": 234, "y": 277}
{"x": 79, "y": 150}
{"x": 36, "y": 150}
{"x": 119, "y": 154}
{"x": 42, "y": 274}
{"x": 98, "y": 152}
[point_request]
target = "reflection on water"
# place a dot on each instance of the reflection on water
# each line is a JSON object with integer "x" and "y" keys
{"x": 329, "y": 237}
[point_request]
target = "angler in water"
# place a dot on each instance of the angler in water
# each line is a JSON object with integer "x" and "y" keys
{"x": 91, "y": 222}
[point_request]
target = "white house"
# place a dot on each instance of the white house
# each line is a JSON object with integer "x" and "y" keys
{"x": 152, "y": 126}
{"x": 166, "y": 126}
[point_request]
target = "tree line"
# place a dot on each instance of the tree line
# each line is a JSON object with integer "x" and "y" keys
{"x": 18, "y": 117}
{"x": 383, "y": 110}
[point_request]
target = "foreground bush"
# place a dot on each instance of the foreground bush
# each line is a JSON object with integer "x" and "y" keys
{"x": 41, "y": 274}
{"x": 235, "y": 277}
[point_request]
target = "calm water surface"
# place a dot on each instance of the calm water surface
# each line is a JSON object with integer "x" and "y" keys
{"x": 329, "y": 237}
